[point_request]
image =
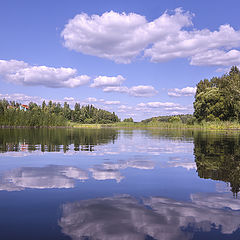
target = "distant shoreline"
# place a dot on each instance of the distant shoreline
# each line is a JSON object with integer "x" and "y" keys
{"x": 233, "y": 126}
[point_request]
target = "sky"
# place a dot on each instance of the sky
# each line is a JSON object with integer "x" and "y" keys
{"x": 138, "y": 58}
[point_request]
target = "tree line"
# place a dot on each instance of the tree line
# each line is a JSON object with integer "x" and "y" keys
{"x": 218, "y": 98}
{"x": 179, "y": 118}
{"x": 51, "y": 114}
{"x": 55, "y": 140}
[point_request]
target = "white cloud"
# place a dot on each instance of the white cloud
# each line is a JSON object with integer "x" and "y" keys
{"x": 141, "y": 105}
{"x": 158, "y": 104}
{"x": 216, "y": 57}
{"x": 136, "y": 91}
{"x": 70, "y": 99}
{"x": 121, "y": 89}
{"x": 113, "y": 36}
{"x": 20, "y": 97}
{"x": 124, "y": 108}
{"x": 187, "y": 91}
{"x": 176, "y": 108}
{"x": 112, "y": 102}
{"x": 104, "y": 81}
{"x": 194, "y": 44}
{"x": 20, "y": 72}
{"x": 91, "y": 99}
{"x": 122, "y": 37}
{"x": 101, "y": 101}
{"x": 153, "y": 109}
{"x": 142, "y": 91}
{"x": 11, "y": 66}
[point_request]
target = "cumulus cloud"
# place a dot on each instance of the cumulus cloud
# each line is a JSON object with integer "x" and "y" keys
{"x": 101, "y": 101}
{"x": 176, "y": 108}
{"x": 158, "y": 104}
{"x": 20, "y": 97}
{"x": 113, "y": 84}
{"x": 113, "y": 36}
{"x": 20, "y": 72}
{"x": 124, "y": 108}
{"x": 122, "y": 37}
{"x": 91, "y": 99}
{"x": 216, "y": 57}
{"x": 150, "y": 109}
{"x": 104, "y": 81}
{"x": 112, "y": 102}
{"x": 142, "y": 91}
{"x": 124, "y": 217}
{"x": 187, "y": 91}
{"x": 121, "y": 89}
{"x": 136, "y": 91}
{"x": 69, "y": 99}
{"x": 51, "y": 176}
{"x": 191, "y": 44}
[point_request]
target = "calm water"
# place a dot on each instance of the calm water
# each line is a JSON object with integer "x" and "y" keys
{"x": 119, "y": 184}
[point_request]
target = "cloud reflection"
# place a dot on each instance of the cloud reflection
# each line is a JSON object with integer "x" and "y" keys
{"x": 58, "y": 176}
{"x": 183, "y": 162}
{"x": 124, "y": 217}
{"x": 51, "y": 176}
{"x": 111, "y": 170}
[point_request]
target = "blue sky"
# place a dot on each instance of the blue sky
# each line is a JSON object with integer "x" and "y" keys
{"x": 137, "y": 58}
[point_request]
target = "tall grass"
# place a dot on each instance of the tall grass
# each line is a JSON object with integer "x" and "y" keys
{"x": 218, "y": 125}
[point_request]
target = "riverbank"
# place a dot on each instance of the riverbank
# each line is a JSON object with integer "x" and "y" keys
{"x": 233, "y": 126}
{"x": 166, "y": 125}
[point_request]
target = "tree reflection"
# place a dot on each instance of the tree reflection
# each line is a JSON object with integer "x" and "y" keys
{"x": 54, "y": 140}
{"x": 218, "y": 157}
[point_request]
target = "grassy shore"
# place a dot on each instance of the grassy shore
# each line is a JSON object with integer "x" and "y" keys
{"x": 166, "y": 125}
{"x": 208, "y": 126}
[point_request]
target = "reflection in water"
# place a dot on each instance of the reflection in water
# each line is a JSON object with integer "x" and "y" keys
{"x": 41, "y": 177}
{"x": 111, "y": 170}
{"x": 56, "y": 176}
{"x": 207, "y": 216}
{"x": 218, "y": 157}
{"x": 183, "y": 162}
{"x": 124, "y": 217}
{"x": 54, "y": 140}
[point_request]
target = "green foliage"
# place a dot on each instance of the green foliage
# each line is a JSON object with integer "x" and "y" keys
{"x": 219, "y": 98}
{"x": 176, "y": 119}
{"x": 184, "y": 118}
{"x": 52, "y": 114}
{"x": 128, "y": 120}
{"x": 218, "y": 157}
{"x": 54, "y": 140}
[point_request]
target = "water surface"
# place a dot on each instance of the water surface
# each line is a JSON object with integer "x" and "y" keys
{"x": 119, "y": 184}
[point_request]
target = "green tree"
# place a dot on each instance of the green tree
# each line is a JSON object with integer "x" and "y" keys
{"x": 128, "y": 120}
{"x": 219, "y": 98}
{"x": 175, "y": 119}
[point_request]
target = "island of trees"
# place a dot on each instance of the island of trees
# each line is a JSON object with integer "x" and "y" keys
{"x": 52, "y": 114}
